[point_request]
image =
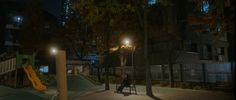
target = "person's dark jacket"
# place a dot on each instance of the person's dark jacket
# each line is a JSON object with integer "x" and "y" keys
{"x": 126, "y": 81}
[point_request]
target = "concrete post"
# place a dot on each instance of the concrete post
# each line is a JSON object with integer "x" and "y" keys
{"x": 61, "y": 75}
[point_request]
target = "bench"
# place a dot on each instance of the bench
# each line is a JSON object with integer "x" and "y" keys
{"x": 131, "y": 87}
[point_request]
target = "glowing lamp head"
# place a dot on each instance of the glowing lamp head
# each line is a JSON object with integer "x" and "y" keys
{"x": 53, "y": 50}
{"x": 126, "y": 41}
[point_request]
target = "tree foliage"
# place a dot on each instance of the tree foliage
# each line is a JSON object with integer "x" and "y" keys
{"x": 214, "y": 21}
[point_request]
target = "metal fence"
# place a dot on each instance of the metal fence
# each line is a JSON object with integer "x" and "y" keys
{"x": 205, "y": 72}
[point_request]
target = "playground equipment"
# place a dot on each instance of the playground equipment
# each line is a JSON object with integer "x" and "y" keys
{"x": 37, "y": 84}
{"x": 14, "y": 66}
{"x": 7, "y": 66}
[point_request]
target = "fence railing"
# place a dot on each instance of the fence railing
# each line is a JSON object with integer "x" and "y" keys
{"x": 201, "y": 72}
{"x": 7, "y": 66}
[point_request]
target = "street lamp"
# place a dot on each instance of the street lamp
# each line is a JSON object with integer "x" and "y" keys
{"x": 60, "y": 73}
{"x": 128, "y": 44}
{"x": 53, "y": 50}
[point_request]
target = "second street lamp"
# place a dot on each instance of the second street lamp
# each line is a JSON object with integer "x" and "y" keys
{"x": 127, "y": 44}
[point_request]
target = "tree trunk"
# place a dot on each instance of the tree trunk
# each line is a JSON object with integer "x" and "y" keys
{"x": 99, "y": 74}
{"x": 107, "y": 78}
{"x": 171, "y": 74}
{"x": 204, "y": 74}
{"x": 107, "y": 62}
{"x": 148, "y": 69}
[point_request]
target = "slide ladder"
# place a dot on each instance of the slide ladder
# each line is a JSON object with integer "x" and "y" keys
{"x": 36, "y": 82}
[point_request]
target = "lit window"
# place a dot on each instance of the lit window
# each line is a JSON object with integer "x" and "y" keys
{"x": 205, "y": 6}
{"x": 219, "y": 28}
{"x": 152, "y": 2}
{"x": 18, "y": 19}
{"x": 220, "y": 51}
{"x": 63, "y": 23}
{"x": 43, "y": 69}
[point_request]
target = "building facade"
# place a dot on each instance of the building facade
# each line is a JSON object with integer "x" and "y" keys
{"x": 197, "y": 52}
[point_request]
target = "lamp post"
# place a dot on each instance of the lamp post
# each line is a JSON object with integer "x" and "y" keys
{"x": 128, "y": 45}
{"x": 133, "y": 49}
{"x": 60, "y": 73}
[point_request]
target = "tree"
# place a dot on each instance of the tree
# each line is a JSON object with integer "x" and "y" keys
{"x": 99, "y": 14}
{"x": 108, "y": 16}
{"x": 76, "y": 37}
{"x": 172, "y": 36}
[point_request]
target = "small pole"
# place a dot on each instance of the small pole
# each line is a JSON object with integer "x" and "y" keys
{"x": 15, "y": 78}
{"x": 133, "y": 64}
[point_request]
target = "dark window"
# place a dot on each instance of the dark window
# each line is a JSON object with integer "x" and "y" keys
{"x": 209, "y": 52}
{"x": 193, "y": 47}
{"x": 206, "y": 52}
{"x": 220, "y": 51}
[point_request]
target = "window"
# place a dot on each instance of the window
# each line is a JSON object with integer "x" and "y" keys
{"x": 189, "y": 46}
{"x": 186, "y": 45}
{"x": 220, "y": 51}
{"x": 43, "y": 69}
{"x": 206, "y": 52}
{"x": 152, "y": 2}
{"x": 205, "y": 7}
{"x": 193, "y": 47}
{"x": 18, "y": 19}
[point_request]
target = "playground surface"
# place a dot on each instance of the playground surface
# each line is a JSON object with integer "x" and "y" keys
{"x": 7, "y": 93}
{"x": 98, "y": 93}
{"x": 161, "y": 93}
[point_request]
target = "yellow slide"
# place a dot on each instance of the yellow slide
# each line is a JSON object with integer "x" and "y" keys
{"x": 37, "y": 84}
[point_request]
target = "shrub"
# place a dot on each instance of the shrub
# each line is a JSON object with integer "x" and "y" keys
{"x": 164, "y": 83}
{"x": 197, "y": 87}
{"x": 178, "y": 84}
{"x": 140, "y": 82}
{"x": 209, "y": 86}
{"x": 112, "y": 79}
{"x": 185, "y": 85}
{"x": 154, "y": 82}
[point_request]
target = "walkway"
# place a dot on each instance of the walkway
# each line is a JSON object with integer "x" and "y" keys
{"x": 162, "y": 93}
{"x": 7, "y": 93}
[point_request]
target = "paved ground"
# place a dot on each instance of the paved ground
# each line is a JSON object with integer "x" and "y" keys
{"x": 7, "y": 93}
{"x": 162, "y": 93}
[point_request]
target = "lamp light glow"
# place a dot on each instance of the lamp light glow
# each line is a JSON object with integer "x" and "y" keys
{"x": 53, "y": 50}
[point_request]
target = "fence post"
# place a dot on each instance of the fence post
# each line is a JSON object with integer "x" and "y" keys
{"x": 0, "y": 67}
{"x": 181, "y": 72}
{"x": 232, "y": 75}
{"x": 162, "y": 72}
{"x": 204, "y": 73}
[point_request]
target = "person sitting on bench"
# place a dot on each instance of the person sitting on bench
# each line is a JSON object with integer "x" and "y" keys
{"x": 125, "y": 83}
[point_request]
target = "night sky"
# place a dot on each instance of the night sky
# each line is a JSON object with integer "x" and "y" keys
{"x": 51, "y": 6}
